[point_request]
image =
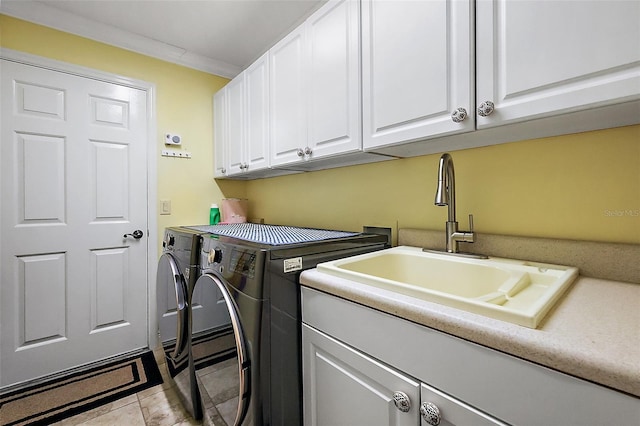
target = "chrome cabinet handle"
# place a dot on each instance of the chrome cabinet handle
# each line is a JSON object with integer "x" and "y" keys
{"x": 430, "y": 413}
{"x": 137, "y": 234}
{"x": 459, "y": 115}
{"x": 486, "y": 108}
{"x": 402, "y": 401}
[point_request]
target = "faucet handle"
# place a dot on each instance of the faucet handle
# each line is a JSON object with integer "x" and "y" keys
{"x": 471, "y": 223}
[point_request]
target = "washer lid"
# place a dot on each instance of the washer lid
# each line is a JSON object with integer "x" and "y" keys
{"x": 272, "y": 234}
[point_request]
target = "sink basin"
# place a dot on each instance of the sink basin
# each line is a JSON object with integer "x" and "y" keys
{"x": 516, "y": 291}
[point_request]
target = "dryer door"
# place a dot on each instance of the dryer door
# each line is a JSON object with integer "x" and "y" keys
{"x": 172, "y": 309}
{"x": 222, "y": 364}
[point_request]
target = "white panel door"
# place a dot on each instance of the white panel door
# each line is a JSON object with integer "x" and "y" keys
{"x": 345, "y": 387}
{"x": 417, "y": 69}
{"x": 333, "y": 52}
{"x": 540, "y": 58}
{"x": 73, "y": 182}
{"x": 287, "y": 112}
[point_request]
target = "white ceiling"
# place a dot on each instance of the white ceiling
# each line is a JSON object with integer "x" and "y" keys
{"x": 218, "y": 36}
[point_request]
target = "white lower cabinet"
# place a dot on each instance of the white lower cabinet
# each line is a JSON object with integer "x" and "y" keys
{"x": 346, "y": 387}
{"x": 358, "y": 361}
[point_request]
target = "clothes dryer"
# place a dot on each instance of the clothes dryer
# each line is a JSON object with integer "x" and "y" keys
{"x": 251, "y": 373}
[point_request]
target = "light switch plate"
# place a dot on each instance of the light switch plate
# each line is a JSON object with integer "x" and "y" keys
{"x": 165, "y": 207}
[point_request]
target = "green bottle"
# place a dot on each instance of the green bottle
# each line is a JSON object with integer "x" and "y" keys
{"x": 214, "y": 214}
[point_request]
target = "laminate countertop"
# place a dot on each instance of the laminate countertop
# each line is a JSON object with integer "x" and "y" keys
{"x": 593, "y": 332}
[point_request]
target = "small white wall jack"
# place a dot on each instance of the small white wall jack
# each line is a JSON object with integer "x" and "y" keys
{"x": 175, "y": 153}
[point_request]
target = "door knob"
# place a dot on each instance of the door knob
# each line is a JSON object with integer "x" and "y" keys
{"x": 137, "y": 234}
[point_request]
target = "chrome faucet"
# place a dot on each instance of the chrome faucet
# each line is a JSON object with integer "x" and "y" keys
{"x": 446, "y": 196}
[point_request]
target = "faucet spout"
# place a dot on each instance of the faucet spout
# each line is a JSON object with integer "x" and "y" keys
{"x": 446, "y": 191}
{"x": 446, "y": 196}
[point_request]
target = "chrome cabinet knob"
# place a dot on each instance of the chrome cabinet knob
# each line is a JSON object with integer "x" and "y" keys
{"x": 300, "y": 152}
{"x": 223, "y": 171}
{"x": 486, "y": 108}
{"x": 459, "y": 115}
{"x": 308, "y": 151}
{"x": 402, "y": 401}
{"x": 430, "y": 413}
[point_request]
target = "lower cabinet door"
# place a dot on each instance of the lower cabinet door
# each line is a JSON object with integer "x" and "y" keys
{"x": 345, "y": 387}
{"x": 437, "y": 408}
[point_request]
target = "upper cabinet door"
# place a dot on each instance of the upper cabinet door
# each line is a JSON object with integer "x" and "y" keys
{"x": 542, "y": 58}
{"x": 417, "y": 69}
{"x": 235, "y": 123}
{"x": 288, "y": 117}
{"x": 220, "y": 133}
{"x": 333, "y": 91}
{"x": 257, "y": 115}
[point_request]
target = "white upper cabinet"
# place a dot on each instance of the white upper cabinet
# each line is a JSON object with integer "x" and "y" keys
{"x": 542, "y": 58}
{"x": 235, "y": 125}
{"x": 333, "y": 72}
{"x": 315, "y": 87}
{"x": 257, "y": 115}
{"x": 417, "y": 70}
{"x": 241, "y": 116}
{"x": 219, "y": 134}
{"x": 288, "y": 115}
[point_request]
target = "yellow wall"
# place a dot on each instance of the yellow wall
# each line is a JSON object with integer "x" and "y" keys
{"x": 583, "y": 186}
{"x": 183, "y": 105}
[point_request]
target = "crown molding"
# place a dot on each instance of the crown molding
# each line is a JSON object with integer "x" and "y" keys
{"x": 48, "y": 16}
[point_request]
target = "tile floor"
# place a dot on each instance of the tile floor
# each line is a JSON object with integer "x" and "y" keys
{"x": 156, "y": 406}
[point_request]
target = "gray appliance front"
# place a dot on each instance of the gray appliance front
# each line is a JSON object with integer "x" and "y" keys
{"x": 184, "y": 309}
{"x": 173, "y": 316}
{"x": 228, "y": 360}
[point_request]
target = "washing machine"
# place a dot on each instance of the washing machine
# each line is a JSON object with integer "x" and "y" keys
{"x": 184, "y": 310}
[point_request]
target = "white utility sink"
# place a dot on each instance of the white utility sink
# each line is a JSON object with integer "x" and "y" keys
{"x": 516, "y": 291}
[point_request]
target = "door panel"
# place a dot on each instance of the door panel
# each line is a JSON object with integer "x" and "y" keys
{"x": 346, "y": 387}
{"x": 333, "y": 57}
{"x": 538, "y": 59}
{"x": 73, "y": 182}
{"x": 417, "y": 69}
{"x": 41, "y": 178}
{"x": 288, "y": 115}
{"x": 42, "y": 284}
